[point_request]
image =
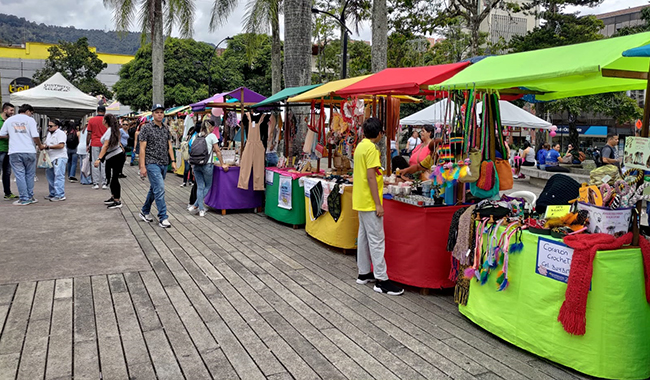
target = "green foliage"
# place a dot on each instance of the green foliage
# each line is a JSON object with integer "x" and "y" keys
{"x": 14, "y": 30}
{"x": 329, "y": 61}
{"x": 419, "y": 17}
{"x": 186, "y": 72}
{"x": 77, "y": 64}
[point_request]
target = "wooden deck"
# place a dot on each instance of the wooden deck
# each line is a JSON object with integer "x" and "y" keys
{"x": 238, "y": 296}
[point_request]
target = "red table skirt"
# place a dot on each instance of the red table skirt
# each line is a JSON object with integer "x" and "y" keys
{"x": 416, "y": 244}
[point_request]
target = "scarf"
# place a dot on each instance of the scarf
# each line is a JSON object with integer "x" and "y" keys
{"x": 465, "y": 235}
{"x": 573, "y": 310}
{"x": 453, "y": 229}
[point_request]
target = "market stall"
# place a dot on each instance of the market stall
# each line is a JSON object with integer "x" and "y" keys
{"x": 225, "y": 195}
{"x": 416, "y": 252}
{"x": 285, "y": 199}
{"x": 320, "y": 224}
{"x": 586, "y": 310}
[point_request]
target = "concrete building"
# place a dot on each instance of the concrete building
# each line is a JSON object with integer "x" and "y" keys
{"x": 620, "y": 19}
{"x": 503, "y": 24}
{"x": 23, "y": 61}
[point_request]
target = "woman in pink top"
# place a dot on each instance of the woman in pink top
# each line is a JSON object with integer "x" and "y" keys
{"x": 422, "y": 151}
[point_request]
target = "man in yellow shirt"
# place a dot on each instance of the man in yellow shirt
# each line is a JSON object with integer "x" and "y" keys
{"x": 367, "y": 200}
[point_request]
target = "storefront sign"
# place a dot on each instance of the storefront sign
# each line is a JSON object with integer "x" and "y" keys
{"x": 269, "y": 177}
{"x": 637, "y": 153}
{"x": 553, "y": 259}
{"x": 284, "y": 192}
{"x": 20, "y": 84}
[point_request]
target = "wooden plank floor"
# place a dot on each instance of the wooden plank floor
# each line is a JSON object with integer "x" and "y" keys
{"x": 240, "y": 297}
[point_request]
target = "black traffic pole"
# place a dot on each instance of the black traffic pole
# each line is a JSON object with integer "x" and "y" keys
{"x": 341, "y": 20}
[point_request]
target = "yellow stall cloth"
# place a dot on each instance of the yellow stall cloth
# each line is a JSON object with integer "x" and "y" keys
{"x": 341, "y": 233}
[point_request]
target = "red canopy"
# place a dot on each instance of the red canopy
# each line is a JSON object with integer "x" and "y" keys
{"x": 403, "y": 80}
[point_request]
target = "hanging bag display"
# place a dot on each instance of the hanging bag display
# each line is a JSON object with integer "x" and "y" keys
{"x": 474, "y": 167}
{"x": 504, "y": 170}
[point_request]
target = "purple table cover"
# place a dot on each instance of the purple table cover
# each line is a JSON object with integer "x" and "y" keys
{"x": 224, "y": 194}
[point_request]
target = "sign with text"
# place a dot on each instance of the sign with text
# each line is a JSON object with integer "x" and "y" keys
{"x": 553, "y": 259}
{"x": 637, "y": 153}
{"x": 20, "y": 84}
{"x": 555, "y": 211}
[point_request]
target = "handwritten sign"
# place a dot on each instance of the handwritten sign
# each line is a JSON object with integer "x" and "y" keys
{"x": 553, "y": 259}
{"x": 269, "y": 177}
{"x": 285, "y": 192}
{"x": 556, "y": 211}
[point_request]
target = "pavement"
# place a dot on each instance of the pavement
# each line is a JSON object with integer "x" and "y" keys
{"x": 91, "y": 293}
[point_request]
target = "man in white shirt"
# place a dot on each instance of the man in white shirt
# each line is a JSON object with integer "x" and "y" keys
{"x": 55, "y": 146}
{"x": 413, "y": 141}
{"x": 23, "y": 140}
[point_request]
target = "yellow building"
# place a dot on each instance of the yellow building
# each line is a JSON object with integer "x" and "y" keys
{"x": 24, "y": 60}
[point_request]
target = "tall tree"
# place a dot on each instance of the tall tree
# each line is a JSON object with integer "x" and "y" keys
{"x": 77, "y": 64}
{"x": 379, "y": 35}
{"x": 297, "y": 54}
{"x": 260, "y": 16}
{"x": 151, "y": 15}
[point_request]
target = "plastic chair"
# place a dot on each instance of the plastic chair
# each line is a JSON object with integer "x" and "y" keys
{"x": 529, "y": 196}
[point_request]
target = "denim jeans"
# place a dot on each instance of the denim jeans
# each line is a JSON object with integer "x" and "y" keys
{"x": 56, "y": 177}
{"x": 203, "y": 177}
{"x": 5, "y": 167}
{"x": 98, "y": 174}
{"x": 24, "y": 167}
{"x": 156, "y": 174}
{"x": 72, "y": 162}
{"x": 272, "y": 159}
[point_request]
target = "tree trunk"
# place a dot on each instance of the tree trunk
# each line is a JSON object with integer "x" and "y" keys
{"x": 475, "y": 37}
{"x": 379, "y": 48}
{"x": 157, "y": 55}
{"x": 297, "y": 58}
{"x": 276, "y": 55}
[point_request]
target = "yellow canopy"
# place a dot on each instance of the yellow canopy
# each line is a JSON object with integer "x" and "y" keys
{"x": 327, "y": 90}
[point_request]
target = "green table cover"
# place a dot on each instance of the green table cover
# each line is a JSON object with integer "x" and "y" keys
{"x": 617, "y": 340}
{"x": 296, "y": 215}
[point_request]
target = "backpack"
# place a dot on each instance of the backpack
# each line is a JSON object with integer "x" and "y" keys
{"x": 72, "y": 140}
{"x": 598, "y": 159}
{"x": 199, "y": 153}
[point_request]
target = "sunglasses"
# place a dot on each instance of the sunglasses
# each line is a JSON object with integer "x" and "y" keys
{"x": 51, "y": 125}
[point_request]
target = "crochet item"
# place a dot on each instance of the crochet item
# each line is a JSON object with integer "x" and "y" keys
{"x": 465, "y": 236}
{"x": 486, "y": 176}
{"x": 453, "y": 229}
{"x": 574, "y": 307}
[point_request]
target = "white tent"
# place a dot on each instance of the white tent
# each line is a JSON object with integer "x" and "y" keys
{"x": 511, "y": 116}
{"x": 56, "y": 97}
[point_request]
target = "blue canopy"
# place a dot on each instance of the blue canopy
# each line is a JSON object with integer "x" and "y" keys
{"x": 641, "y": 51}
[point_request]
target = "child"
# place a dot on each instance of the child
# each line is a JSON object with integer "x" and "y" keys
{"x": 366, "y": 199}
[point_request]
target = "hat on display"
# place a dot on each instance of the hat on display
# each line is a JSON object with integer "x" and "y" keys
{"x": 157, "y": 107}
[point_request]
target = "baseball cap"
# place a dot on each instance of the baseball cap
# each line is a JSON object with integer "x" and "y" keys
{"x": 157, "y": 107}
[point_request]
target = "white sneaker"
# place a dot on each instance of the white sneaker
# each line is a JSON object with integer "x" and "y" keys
{"x": 164, "y": 223}
{"x": 202, "y": 213}
{"x": 192, "y": 209}
{"x": 95, "y": 187}
{"x": 104, "y": 187}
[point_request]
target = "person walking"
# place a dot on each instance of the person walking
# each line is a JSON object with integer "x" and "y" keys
{"x": 71, "y": 144}
{"x": 96, "y": 130}
{"x": 55, "y": 146}
{"x": 124, "y": 140}
{"x": 113, "y": 154}
{"x": 5, "y": 165}
{"x": 366, "y": 199}
{"x": 23, "y": 140}
{"x": 203, "y": 171}
{"x": 82, "y": 153}
{"x": 155, "y": 153}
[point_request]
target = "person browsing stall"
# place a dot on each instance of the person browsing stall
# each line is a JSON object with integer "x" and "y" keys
{"x": 367, "y": 192}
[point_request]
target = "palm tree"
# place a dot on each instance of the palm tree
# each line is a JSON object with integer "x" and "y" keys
{"x": 151, "y": 14}
{"x": 260, "y": 14}
{"x": 379, "y": 52}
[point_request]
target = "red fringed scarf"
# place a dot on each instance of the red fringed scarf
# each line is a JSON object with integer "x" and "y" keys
{"x": 573, "y": 310}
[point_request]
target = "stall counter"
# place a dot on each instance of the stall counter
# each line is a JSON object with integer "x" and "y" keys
{"x": 416, "y": 244}
{"x": 224, "y": 194}
{"x": 617, "y": 340}
{"x": 291, "y": 210}
{"x": 340, "y": 234}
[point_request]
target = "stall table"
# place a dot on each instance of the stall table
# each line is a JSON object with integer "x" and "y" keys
{"x": 616, "y": 344}
{"x": 416, "y": 244}
{"x": 340, "y": 234}
{"x": 294, "y": 213}
{"x": 224, "y": 194}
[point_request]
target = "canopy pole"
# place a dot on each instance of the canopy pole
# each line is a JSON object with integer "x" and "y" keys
{"x": 644, "y": 133}
{"x": 389, "y": 130}
{"x": 374, "y": 106}
{"x": 285, "y": 125}
{"x": 250, "y": 122}
{"x": 329, "y": 147}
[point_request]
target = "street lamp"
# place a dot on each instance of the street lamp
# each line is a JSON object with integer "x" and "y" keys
{"x": 341, "y": 20}
{"x": 210, "y": 64}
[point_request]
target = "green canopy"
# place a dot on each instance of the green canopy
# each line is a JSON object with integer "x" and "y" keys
{"x": 285, "y": 94}
{"x": 560, "y": 72}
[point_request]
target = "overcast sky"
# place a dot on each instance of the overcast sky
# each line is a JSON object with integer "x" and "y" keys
{"x": 91, "y": 14}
